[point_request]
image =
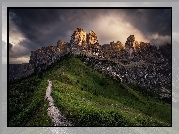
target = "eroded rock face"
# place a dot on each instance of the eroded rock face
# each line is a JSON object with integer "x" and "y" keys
{"x": 135, "y": 62}
{"x": 130, "y": 41}
{"x": 92, "y": 38}
{"x": 113, "y": 51}
{"x": 17, "y": 71}
{"x": 39, "y": 60}
{"x": 78, "y": 38}
{"x": 81, "y": 41}
{"x": 129, "y": 45}
{"x": 45, "y": 56}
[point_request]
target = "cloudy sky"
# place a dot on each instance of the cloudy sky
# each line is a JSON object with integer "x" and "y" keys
{"x": 30, "y": 29}
{"x": 22, "y": 58}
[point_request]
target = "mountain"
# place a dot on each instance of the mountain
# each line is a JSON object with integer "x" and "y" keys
{"x": 134, "y": 62}
{"x": 85, "y": 96}
{"x": 94, "y": 85}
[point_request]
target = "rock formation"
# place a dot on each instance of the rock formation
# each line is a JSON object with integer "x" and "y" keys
{"x": 129, "y": 45}
{"x": 81, "y": 41}
{"x": 134, "y": 62}
{"x": 92, "y": 38}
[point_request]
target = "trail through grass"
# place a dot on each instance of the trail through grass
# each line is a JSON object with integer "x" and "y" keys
{"x": 87, "y": 98}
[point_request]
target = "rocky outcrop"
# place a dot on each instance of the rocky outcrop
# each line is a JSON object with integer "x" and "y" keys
{"x": 39, "y": 60}
{"x": 78, "y": 39}
{"x": 113, "y": 51}
{"x": 44, "y": 57}
{"x": 134, "y": 62}
{"x": 17, "y": 71}
{"x": 154, "y": 77}
{"x": 166, "y": 51}
{"x": 83, "y": 42}
{"x": 92, "y": 38}
{"x": 129, "y": 45}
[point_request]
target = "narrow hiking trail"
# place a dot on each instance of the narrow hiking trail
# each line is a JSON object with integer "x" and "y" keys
{"x": 57, "y": 118}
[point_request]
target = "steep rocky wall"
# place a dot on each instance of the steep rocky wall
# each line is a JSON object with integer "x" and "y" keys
{"x": 39, "y": 60}
{"x": 83, "y": 42}
{"x": 43, "y": 57}
{"x": 135, "y": 62}
{"x": 17, "y": 71}
{"x": 154, "y": 77}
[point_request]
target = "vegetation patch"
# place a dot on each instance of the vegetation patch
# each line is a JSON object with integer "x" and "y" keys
{"x": 86, "y": 97}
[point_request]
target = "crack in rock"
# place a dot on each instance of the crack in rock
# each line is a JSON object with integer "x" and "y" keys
{"x": 53, "y": 112}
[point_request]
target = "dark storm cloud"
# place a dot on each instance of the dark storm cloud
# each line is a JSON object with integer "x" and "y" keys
{"x": 151, "y": 20}
{"x": 21, "y": 50}
{"x": 37, "y": 22}
{"x": 34, "y": 23}
{"x": 44, "y": 27}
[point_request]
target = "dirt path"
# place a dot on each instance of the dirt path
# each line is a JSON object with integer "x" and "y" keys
{"x": 57, "y": 118}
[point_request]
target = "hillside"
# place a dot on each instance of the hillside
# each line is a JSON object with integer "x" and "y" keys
{"x": 135, "y": 63}
{"x": 85, "y": 97}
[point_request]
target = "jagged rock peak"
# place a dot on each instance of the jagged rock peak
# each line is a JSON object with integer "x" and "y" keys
{"x": 130, "y": 41}
{"x": 131, "y": 38}
{"x": 92, "y": 38}
{"x": 92, "y": 33}
{"x": 61, "y": 43}
{"x": 129, "y": 44}
{"x": 79, "y": 29}
{"x": 116, "y": 46}
{"x": 80, "y": 37}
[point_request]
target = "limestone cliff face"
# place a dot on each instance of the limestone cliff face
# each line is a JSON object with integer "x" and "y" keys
{"x": 45, "y": 56}
{"x": 130, "y": 41}
{"x": 129, "y": 44}
{"x": 17, "y": 71}
{"x": 80, "y": 40}
{"x": 113, "y": 50}
{"x": 135, "y": 62}
{"x": 39, "y": 60}
{"x": 92, "y": 38}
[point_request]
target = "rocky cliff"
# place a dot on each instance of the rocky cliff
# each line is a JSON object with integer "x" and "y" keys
{"x": 134, "y": 62}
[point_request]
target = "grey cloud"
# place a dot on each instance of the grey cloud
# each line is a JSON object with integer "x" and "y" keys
{"x": 161, "y": 40}
{"x": 44, "y": 27}
{"x": 159, "y": 21}
{"x": 39, "y": 24}
{"x": 33, "y": 22}
{"x": 20, "y": 50}
{"x": 150, "y": 21}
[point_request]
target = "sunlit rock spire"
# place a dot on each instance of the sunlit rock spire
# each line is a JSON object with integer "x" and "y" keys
{"x": 81, "y": 39}
{"x": 129, "y": 45}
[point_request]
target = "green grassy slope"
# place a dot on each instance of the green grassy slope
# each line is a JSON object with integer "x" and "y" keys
{"x": 87, "y": 98}
{"x": 26, "y": 102}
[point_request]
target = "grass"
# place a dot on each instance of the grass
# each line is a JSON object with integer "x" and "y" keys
{"x": 86, "y": 97}
{"x": 26, "y": 102}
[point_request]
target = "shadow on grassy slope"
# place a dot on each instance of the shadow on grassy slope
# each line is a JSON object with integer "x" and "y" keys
{"x": 84, "y": 96}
